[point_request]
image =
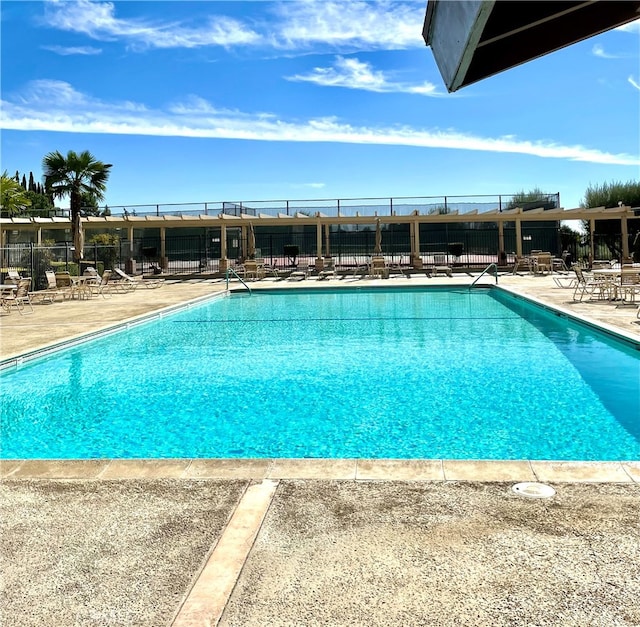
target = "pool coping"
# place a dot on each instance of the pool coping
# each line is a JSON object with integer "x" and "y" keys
{"x": 260, "y": 469}
{"x": 356, "y": 469}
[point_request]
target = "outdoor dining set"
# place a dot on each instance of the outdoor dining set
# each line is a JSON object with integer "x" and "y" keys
{"x": 15, "y": 291}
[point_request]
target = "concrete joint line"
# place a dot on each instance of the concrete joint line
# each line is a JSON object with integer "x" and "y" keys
{"x": 205, "y": 603}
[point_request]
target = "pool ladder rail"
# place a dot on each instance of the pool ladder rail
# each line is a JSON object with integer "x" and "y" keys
{"x": 489, "y": 267}
{"x": 232, "y": 271}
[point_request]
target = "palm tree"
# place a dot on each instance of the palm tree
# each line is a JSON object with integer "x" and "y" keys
{"x": 76, "y": 176}
{"x": 13, "y": 197}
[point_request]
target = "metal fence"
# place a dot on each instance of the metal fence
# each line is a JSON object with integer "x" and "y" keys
{"x": 465, "y": 246}
{"x": 335, "y": 207}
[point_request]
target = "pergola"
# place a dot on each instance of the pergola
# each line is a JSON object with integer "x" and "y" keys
{"x": 323, "y": 224}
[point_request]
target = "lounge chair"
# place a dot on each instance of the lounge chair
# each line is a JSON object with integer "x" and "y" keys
{"x": 328, "y": 271}
{"x": 13, "y": 276}
{"x": 360, "y": 269}
{"x": 396, "y": 268}
{"x": 122, "y": 281}
{"x": 300, "y": 273}
{"x": 269, "y": 270}
{"x": 19, "y": 298}
{"x": 566, "y": 282}
{"x": 52, "y": 291}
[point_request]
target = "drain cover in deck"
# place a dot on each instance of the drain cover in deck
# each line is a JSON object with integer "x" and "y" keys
{"x": 534, "y": 490}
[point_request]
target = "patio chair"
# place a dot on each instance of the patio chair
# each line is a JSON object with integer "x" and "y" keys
{"x": 104, "y": 287}
{"x": 629, "y": 283}
{"x": 541, "y": 263}
{"x": 440, "y": 264}
{"x": 63, "y": 280}
{"x": 20, "y": 298}
{"x": 378, "y": 268}
{"x": 600, "y": 288}
{"x": 521, "y": 263}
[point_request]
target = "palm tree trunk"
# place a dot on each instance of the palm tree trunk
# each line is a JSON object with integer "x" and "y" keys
{"x": 75, "y": 203}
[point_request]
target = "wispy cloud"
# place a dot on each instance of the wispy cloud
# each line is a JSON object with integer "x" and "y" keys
{"x": 355, "y": 74}
{"x": 358, "y": 24}
{"x": 57, "y": 106}
{"x": 308, "y": 185}
{"x": 98, "y": 21}
{"x": 599, "y": 51}
{"x": 73, "y": 50}
{"x": 634, "y": 82}
{"x": 301, "y": 25}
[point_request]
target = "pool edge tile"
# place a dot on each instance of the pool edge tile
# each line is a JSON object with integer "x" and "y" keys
{"x": 228, "y": 468}
{"x": 60, "y": 469}
{"x": 399, "y": 470}
{"x": 580, "y": 472}
{"x": 633, "y": 470}
{"x": 8, "y": 467}
{"x": 487, "y": 470}
{"x": 145, "y": 469}
{"x": 327, "y": 469}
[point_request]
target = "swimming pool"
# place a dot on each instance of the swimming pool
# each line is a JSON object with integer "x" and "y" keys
{"x": 379, "y": 373}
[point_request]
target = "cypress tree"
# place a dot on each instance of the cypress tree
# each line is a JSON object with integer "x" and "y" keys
{"x": 32, "y": 184}
{"x": 24, "y": 182}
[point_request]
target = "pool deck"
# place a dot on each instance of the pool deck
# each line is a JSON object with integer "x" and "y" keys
{"x": 312, "y": 542}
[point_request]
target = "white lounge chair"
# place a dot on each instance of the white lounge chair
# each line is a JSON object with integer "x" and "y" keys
{"x": 52, "y": 291}
{"x": 133, "y": 282}
{"x": 328, "y": 271}
{"x": 300, "y": 273}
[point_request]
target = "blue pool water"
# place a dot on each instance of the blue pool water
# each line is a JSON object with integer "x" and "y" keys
{"x": 391, "y": 373}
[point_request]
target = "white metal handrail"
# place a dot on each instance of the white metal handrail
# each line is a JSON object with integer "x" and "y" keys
{"x": 491, "y": 265}
{"x": 232, "y": 271}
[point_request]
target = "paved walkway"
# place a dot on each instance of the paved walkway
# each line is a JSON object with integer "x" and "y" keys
{"x": 311, "y": 542}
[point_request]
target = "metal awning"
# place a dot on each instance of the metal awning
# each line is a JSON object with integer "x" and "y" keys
{"x": 474, "y": 39}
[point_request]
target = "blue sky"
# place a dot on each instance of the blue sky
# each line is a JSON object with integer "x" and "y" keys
{"x": 238, "y": 101}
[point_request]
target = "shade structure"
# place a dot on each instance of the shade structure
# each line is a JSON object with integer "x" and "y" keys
{"x": 78, "y": 238}
{"x": 378, "y": 247}
{"x": 251, "y": 242}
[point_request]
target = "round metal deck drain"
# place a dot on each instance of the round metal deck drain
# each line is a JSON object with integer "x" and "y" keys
{"x": 534, "y": 490}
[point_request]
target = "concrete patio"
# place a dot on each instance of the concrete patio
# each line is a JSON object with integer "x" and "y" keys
{"x": 312, "y": 542}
